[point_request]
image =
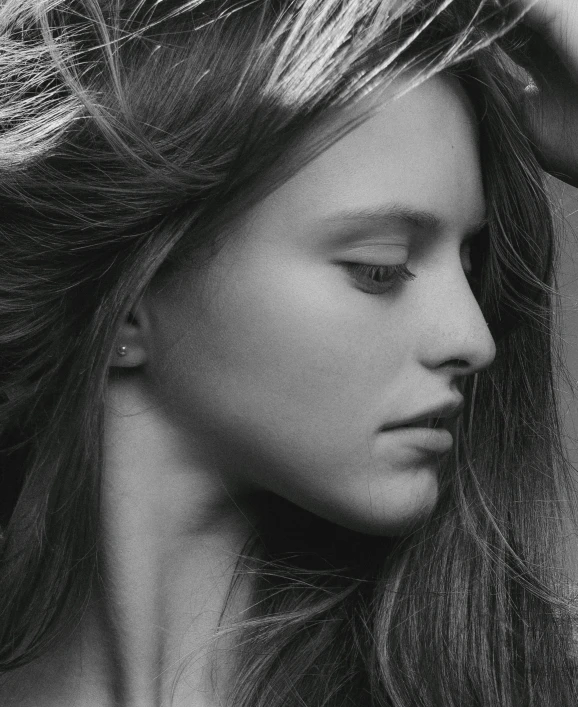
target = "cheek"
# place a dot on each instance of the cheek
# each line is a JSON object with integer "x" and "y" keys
{"x": 289, "y": 343}
{"x": 283, "y": 378}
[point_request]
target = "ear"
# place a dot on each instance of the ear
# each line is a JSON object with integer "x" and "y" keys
{"x": 131, "y": 348}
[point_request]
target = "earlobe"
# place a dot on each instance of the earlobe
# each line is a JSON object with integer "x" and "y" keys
{"x": 131, "y": 341}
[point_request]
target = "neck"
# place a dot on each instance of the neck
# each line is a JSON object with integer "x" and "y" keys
{"x": 171, "y": 535}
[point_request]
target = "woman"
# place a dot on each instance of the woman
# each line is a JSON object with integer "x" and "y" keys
{"x": 278, "y": 423}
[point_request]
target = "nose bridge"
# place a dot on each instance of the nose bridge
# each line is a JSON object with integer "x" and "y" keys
{"x": 455, "y": 328}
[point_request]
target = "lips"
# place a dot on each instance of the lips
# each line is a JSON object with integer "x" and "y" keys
{"x": 416, "y": 443}
{"x": 437, "y": 417}
{"x": 430, "y": 423}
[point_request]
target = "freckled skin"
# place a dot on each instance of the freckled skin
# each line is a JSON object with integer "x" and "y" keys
{"x": 277, "y": 365}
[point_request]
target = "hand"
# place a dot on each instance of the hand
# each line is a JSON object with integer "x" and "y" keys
{"x": 551, "y": 106}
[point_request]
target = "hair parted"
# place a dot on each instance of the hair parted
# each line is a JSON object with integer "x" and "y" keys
{"x": 130, "y": 132}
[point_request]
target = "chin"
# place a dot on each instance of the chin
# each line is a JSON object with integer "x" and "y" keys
{"x": 395, "y": 510}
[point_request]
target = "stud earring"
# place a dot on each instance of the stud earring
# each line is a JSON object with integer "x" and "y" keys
{"x": 121, "y": 350}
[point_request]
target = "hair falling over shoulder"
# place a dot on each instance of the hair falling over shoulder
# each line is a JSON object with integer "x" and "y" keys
{"x": 125, "y": 127}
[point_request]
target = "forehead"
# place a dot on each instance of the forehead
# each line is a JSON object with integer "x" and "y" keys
{"x": 418, "y": 151}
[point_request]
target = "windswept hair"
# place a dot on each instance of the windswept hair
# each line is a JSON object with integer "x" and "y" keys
{"x": 130, "y": 132}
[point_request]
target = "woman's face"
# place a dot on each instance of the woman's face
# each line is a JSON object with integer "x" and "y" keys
{"x": 296, "y": 359}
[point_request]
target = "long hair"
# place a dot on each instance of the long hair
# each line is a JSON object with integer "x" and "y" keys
{"x": 130, "y": 132}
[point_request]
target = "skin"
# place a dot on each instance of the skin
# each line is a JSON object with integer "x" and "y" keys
{"x": 296, "y": 368}
{"x": 275, "y": 368}
{"x": 177, "y": 521}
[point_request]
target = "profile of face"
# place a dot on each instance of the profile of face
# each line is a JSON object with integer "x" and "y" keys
{"x": 319, "y": 354}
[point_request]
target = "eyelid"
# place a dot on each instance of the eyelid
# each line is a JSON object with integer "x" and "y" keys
{"x": 376, "y": 253}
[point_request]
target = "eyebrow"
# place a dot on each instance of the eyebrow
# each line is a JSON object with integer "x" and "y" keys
{"x": 414, "y": 218}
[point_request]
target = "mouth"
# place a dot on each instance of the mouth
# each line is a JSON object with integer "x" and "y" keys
{"x": 430, "y": 423}
{"x": 421, "y": 437}
{"x": 440, "y": 417}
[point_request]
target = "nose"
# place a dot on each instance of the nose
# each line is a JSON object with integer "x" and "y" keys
{"x": 455, "y": 336}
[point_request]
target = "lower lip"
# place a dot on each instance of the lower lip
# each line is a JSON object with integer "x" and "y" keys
{"x": 437, "y": 440}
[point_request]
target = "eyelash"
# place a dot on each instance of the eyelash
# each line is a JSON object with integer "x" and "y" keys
{"x": 387, "y": 276}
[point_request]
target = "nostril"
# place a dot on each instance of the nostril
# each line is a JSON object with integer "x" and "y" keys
{"x": 457, "y": 363}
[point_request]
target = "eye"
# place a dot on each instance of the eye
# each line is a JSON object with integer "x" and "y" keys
{"x": 377, "y": 279}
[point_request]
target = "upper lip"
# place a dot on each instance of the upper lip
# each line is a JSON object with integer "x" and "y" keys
{"x": 433, "y": 417}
